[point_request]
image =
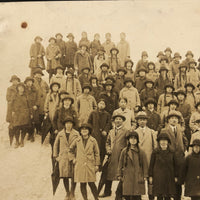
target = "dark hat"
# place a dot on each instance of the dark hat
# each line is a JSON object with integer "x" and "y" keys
{"x": 20, "y": 85}
{"x": 86, "y": 125}
{"x": 54, "y": 83}
{"x": 108, "y": 82}
{"x": 169, "y": 85}
{"x": 101, "y": 48}
{"x": 177, "y": 55}
{"x": 129, "y": 60}
{"x": 151, "y": 63}
{"x": 58, "y": 35}
{"x": 190, "y": 84}
{"x": 132, "y": 134}
{"x": 68, "y": 97}
{"x": 182, "y": 65}
{"x": 142, "y": 69}
{"x": 108, "y": 34}
{"x": 197, "y": 120}
{"x": 52, "y": 38}
{"x": 70, "y": 35}
{"x": 86, "y": 85}
{"x": 189, "y": 53}
{"x": 180, "y": 91}
{"x": 141, "y": 115}
{"x": 163, "y": 68}
{"x": 196, "y": 142}
{"x": 59, "y": 67}
{"x": 110, "y": 77}
{"x": 93, "y": 76}
{"x": 101, "y": 99}
{"x": 148, "y": 81}
{"x": 14, "y": 77}
{"x": 114, "y": 48}
{"x": 38, "y": 71}
{"x": 168, "y": 49}
{"x": 38, "y": 37}
{"x": 83, "y": 43}
{"x": 63, "y": 92}
{"x": 192, "y": 61}
{"x": 160, "y": 53}
{"x": 123, "y": 69}
{"x": 70, "y": 71}
{"x": 28, "y": 79}
{"x": 105, "y": 65}
{"x": 144, "y": 53}
{"x": 118, "y": 115}
{"x": 150, "y": 101}
{"x": 173, "y": 101}
{"x": 173, "y": 113}
{"x": 85, "y": 68}
{"x": 128, "y": 79}
{"x": 197, "y": 104}
{"x": 163, "y": 136}
{"x": 164, "y": 58}
{"x": 68, "y": 119}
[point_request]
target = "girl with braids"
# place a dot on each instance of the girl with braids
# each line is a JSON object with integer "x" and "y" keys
{"x": 132, "y": 169}
{"x": 181, "y": 78}
{"x": 190, "y": 97}
{"x": 113, "y": 60}
{"x": 165, "y": 98}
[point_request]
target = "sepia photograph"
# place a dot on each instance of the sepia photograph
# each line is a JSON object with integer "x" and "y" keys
{"x": 100, "y": 100}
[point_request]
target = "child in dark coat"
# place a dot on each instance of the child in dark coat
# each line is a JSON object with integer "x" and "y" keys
{"x": 140, "y": 80}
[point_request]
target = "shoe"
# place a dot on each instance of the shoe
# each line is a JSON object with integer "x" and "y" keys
{"x": 67, "y": 197}
{"x": 72, "y": 197}
{"x": 22, "y": 144}
{"x": 16, "y": 145}
{"x": 32, "y": 139}
{"x": 104, "y": 195}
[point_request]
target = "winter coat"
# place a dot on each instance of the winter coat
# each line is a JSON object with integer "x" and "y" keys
{"x": 194, "y": 136}
{"x": 128, "y": 114}
{"x": 86, "y": 159}
{"x": 163, "y": 169}
{"x": 84, "y": 40}
{"x": 85, "y": 105}
{"x": 195, "y": 115}
{"x": 21, "y": 111}
{"x": 134, "y": 172}
{"x": 51, "y": 105}
{"x": 84, "y": 79}
{"x": 61, "y": 114}
{"x": 116, "y": 142}
{"x": 114, "y": 63}
{"x": 102, "y": 76}
{"x": 71, "y": 49}
{"x": 173, "y": 69}
{"x": 190, "y": 99}
{"x": 152, "y": 76}
{"x": 160, "y": 85}
{"x": 140, "y": 83}
{"x": 193, "y": 77}
{"x": 10, "y": 96}
{"x": 42, "y": 89}
{"x": 94, "y": 47}
{"x": 53, "y": 51}
{"x": 130, "y": 74}
{"x": 124, "y": 51}
{"x": 61, "y": 45}
{"x": 111, "y": 101}
{"x": 153, "y": 121}
{"x": 96, "y": 92}
{"x": 163, "y": 100}
{"x": 108, "y": 45}
{"x": 58, "y": 79}
{"x": 61, "y": 152}
{"x": 139, "y": 65}
{"x": 148, "y": 93}
{"x": 82, "y": 60}
{"x": 119, "y": 84}
{"x": 132, "y": 96}
{"x": 37, "y": 53}
{"x": 192, "y": 174}
{"x": 148, "y": 142}
{"x": 180, "y": 81}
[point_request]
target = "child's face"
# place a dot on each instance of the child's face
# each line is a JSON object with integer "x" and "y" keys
{"x": 129, "y": 65}
{"x": 189, "y": 56}
{"x": 142, "y": 122}
{"x": 84, "y": 48}
{"x": 70, "y": 38}
{"x": 96, "y": 37}
{"x": 108, "y": 37}
{"x": 55, "y": 88}
{"x": 144, "y": 58}
{"x": 133, "y": 140}
{"x": 59, "y": 71}
{"x": 104, "y": 68}
{"x": 168, "y": 53}
{"x": 177, "y": 58}
{"x": 142, "y": 73}
{"x": 101, "y": 57}
{"x": 69, "y": 75}
{"x": 114, "y": 52}
{"x": 38, "y": 40}
{"x": 122, "y": 36}
{"x": 15, "y": 81}
{"x": 94, "y": 82}
{"x": 163, "y": 144}
{"x": 86, "y": 91}
{"x": 183, "y": 69}
{"x": 121, "y": 73}
{"x": 86, "y": 71}
{"x": 163, "y": 73}
{"x": 37, "y": 75}
{"x": 151, "y": 67}
{"x": 192, "y": 65}
{"x": 118, "y": 121}
{"x": 84, "y": 35}
{"x": 29, "y": 83}
{"x": 181, "y": 97}
{"x": 68, "y": 125}
{"x": 163, "y": 62}
{"x": 84, "y": 131}
{"x": 173, "y": 121}
{"x": 108, "y": 87}
{"x": 196, "y": 149}
{"x": 122, "y": 103}
{"x": 169, "y": 90}
{"x": 67, "y": 103}
{"x": 52, "y": 41}
{"x": 62, "y": 96}
{"x": 59, "y": 37}
{"x": 149, "y": 85}
{"x": 150, "y": 106}
{"x": 21, "y": 89}
{"x": 173, "y": 106}
{"x": 189, "y": 88}
{"x": 101, "y": 105}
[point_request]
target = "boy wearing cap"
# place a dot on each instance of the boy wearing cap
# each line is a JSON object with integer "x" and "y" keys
{"x": 114, "y": 61}
{"x": 108, "y": 44}
{"x": 130, "y": 93}
{"x": 86, "y": 103}
{"x": 37, "y": 52}
{"x": 53, "y": 55}
{"x": 95, "y": 46}
{"x": 71, "y": 49}
{"x": 84, "y": 77}
{"x": 10, "y": 96}
{"x": 140, "y": 80}
{"x": 181, "y": 77}
{"x": 59, "y": 76}
{"x": 189, "y": 55}
{"x": 61, "y": 147}
{"x": 101, "y": 124}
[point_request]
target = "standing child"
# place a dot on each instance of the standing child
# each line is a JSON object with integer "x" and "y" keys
{"x": 95, "y": 46}
{"x": 163, "y": 169}
{"x": 157, "y": 63}
{"x": 190, "y": 98}
{"x": 103, "y": 73}
{"x": 151, "y": 72}
{"x": 129, "y": 68}
{"x": 140, "y": 80}
{"x": 61, "y": 154}
{"x": 85, "y": 155}
{"x": 181, "y": 78}
{"x": 195, "y": 115}
{"x": 132, "y": 169}
{"x": 108, "y": 44}
{"x": 168, "y": 54}
{"x": 96, "y": 88}
{"x": 114, "y": 61}
{"x": 189, "y": 55}
{"x": 84, "y": 77}
{"x": 84, "y": 39}
{"x": 192, "y": 173}
{"x": 197, "y": 93}
{"x": 119, "y": 81}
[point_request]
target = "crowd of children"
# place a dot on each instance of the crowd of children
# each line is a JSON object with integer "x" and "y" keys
{"x": 133, "y": 126}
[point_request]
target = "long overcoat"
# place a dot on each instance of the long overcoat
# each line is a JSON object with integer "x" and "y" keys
{"x": 61, "y": 152}
{"x": 71, "y": 48}
{"x": 61, "y": 45}
{"x": 87, "y": 158}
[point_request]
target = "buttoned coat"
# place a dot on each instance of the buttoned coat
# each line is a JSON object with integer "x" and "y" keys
{"x": 87, "y": 158}
{"x": 61, "y": 152}
{"x": 124, "y": 51}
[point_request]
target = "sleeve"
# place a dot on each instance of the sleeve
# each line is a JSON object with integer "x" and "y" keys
{"x": 55, "y": 120}
{"x": 46, "y": 104}
{"x": 43, "y": 51}
{"x": 78, "y": 105}
{"x": 137, "y": 98}
{"x": 159, "y": 104}
{"x": 128, "y": 50}
{"x": 108, "y": 123}
{"x": 191, "y": 141}
{"x": 47, "y": 54}
{"x": 56, "y": 147}
{"x": 121, "y": 164}
{"x": 154, "y": 139}
{"x": 152, "y": 163}
{"x": 185, "y": 169}
{"x": 145, "y": 165}
{"x": 78, "y": 88}
{"x": 90, "y": 119}
{"x": 8, "y": 95}
{"x": 72, "y": 150}
{"x": 96, "y": 153}
{"x": 176, "y": 82}
{"x": 76, "y": 61}
{"x": 94, "y": 103}
{"x": 192, "y": 123}
{"x": 58, "y": 53}
{"x": 108, "y": 143}
{"x": 185, "y": 142}
{"x": 32, "y": 51}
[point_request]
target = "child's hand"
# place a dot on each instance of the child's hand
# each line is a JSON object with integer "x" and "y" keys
{"x": 150, "y": 180}
{"x": 34, "y": 107}
{"x": 39, "y": 56}
{"x": 56, "y": 132}
{"x": 176, "y": 179}
{"x": 119, "y": 178}
{"x": 104, "y": 133}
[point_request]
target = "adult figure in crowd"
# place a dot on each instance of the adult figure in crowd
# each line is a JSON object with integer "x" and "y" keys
{"x": 124, "y": 48}
{"x": 108, "y": 44}
{"x": 61, "y": 45}
{"x": 84, "y": 38}
{"x": 95, "y": 46}
{"x": 96, "y": 88}
{"x": 168, "y": 54}
{"x": 37, "y": 53}
{"x": 114, "y": 61}
{"x": 181, "y": 77}
{"x": 189, "y": 55}
{"x": 151, "y": 72}
{"x": 53, "y": 55}
{"x": 157, "y": 63}
{"x": 174, "y": 65}
{"x": 129, "y": 68}
{"x": 71, "y": 49}
{"x": 195, "y": 115}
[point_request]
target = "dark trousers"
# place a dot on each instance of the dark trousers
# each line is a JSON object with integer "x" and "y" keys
{"x": 11, "y": 134}
{"x": 132, "y": 197}
{"x": 39, "y": 123}
{"x": 178, "y": 192}
{"x": 195, "y": 198}
{"x": 163, "y": 198}
{"x": 93, "y": 190}
{"x": 20, "y": 130}
{"x": 66, "y": 184}
{"x": 51, "y": 72}
{"x": 119, "y": 191}
{"x": 108, "y": 187}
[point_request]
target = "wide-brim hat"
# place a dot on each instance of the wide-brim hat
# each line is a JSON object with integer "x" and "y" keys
{"x": 54, "y": 83}
{"x": 52, "y": 38}
{"x": 114, "y": 48}
{"x": 87, "y": 85}
{"x": 173, "y": 101}
{"x": 110, "y": 77}
{"x": 86, "y": 125}
{"x": 164, "y": 58}
{"x": 150, "y": 101}
{"x": 180, "y": 91}
{"x": 85, "y": 68}
{"x": 68, "y": 97}
{"x": 104, "y": 65}
{"x": 163, "y": 136}
{"x": 144, "y": 53}
{"x": 177, "y": 55}
{"x": 68, "y": 119}
{"x": 196, "y": 142}
{"x": 70, "y": 71}
{"x": 182, "y": 65}
{"x": 38, "y": 37}
{"x": 128, "y": 79}
{"x": 58, "y": 35}
{"x": 163, "y": 68}
{"x": 141, "y": 115}
{"x": 142, "y": 69}
{"x": 129, "y": 60}
{"x": 160, "y": 53}
{"x": 38, "y": 71}
{"x": 63, "y": 92}
{"x": 189, "y": 53}
{"x": 149, "y": 81}
{"x": 83, "y": 43}
{"x": 70, "y": 35}
{"x": 101, "y": 99}
{"x": 197, "y": 104}
{"x": 118, "y": 115}
{"x": 132, "y": 134}
{"x": 192, "y": 61}
{"x": 169, "y": 85}
{"x": 14, "y": 77}
{"x": 59, "y": 67}
{"x": 20, "y": 85}
{"x": 190, "y": 84}
{"x": 108, "y": 82}
{"x": 28, "y": 79}
{"x": 174, "y": 113}
{"x": 168, "y": 49}
{"x": 122, "y": 69}
{"x": 151, "y": 63}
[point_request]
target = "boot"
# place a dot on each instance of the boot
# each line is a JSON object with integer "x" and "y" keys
{"x": 22, "y": 143}
{"x": 16, "y": 145}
